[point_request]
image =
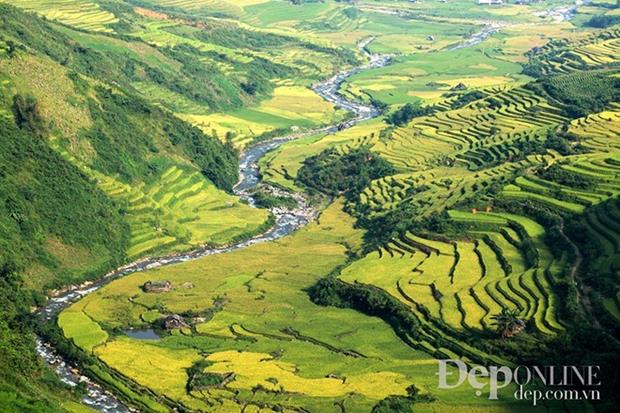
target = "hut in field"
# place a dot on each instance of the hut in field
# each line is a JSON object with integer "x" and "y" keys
{"x": 159, "y": 286}
{"x": 173, "y": 322}
{"x": 459, "y": 86}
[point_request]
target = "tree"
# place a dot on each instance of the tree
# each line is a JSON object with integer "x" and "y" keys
{"x": 27, "y": 112}
{"x": 508, "y": 323}
{"x": 406, "y": 113}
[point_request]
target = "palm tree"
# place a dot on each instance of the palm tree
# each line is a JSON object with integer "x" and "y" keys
{"x": 508, "y": 323}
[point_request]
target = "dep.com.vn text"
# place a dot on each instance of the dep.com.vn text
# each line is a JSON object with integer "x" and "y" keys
{"x": 548, "y": 382}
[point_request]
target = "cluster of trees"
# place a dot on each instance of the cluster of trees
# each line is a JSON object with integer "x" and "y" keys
{"x": 348, "y": 174}
{"x": 556, "y": 173}
{"x": 380, "y": 229}
{"x": 217, "y": 161}
{"x": 268, "y": 200}
{"x": 367, "y": 299}
{"x": 401, "y": 404}
{"x": 406, "y": 113}
{"x": 602, "y": 21}
{"x": 409, "y": 111}
{"x": 27, "y": 113}
{"x": 564, "y": 143}
{"x": 466, "y": 98}
{"x": 198, "y": 379}
{"x": 580, "y": 93}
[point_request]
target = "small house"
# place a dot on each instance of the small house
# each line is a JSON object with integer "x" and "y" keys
{"x": 174, "y": 322}
{"x": 159, "y": 286}
{"x": 459, "y": 86}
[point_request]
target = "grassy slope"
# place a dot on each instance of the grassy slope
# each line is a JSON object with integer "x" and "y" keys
{"x": 165, "y": 176}
{"x": 198, "y": 66}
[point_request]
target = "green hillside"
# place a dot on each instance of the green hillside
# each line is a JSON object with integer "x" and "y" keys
{"x": 93, "y": 175}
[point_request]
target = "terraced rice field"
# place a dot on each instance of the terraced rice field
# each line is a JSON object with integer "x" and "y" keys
{"x": 230, "y": 8}
{"x": 463, "y": 283}
{"x": 180, "y": 210}
{"x": 570, "y": 55}
{"x": 599, "y": 130}
{"x": 83, "y": 14}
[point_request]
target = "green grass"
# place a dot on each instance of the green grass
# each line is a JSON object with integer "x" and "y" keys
{"x": 84, "y": 332}
{"x": 73, "y": 407}
{"x": 425, "y": 76}
{"x": 272, "y": 12}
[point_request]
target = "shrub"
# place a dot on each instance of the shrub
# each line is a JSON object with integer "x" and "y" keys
{"x": 407, "y": 112}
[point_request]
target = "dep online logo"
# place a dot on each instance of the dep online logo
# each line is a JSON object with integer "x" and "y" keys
{"x": 533, "y": 383}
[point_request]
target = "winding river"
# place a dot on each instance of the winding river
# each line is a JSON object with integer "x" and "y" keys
{"x": 286, "y": 220}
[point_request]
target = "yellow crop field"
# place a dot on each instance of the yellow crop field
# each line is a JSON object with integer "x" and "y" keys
{"x": 83, "y": 14}
{"x": 290, "y": 106}
{"x": 252, "y": 369}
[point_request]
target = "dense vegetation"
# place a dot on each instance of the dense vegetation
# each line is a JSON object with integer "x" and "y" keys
{"x": 26, "y": 385}
{"x": 350, "y": 173}
{"x": 403, "y": 115}
{"x": 581, "y": 94}
{"x": 602, "y": 22}
{"x": 265, "y": 199}
{"x": 65, "y": 206}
